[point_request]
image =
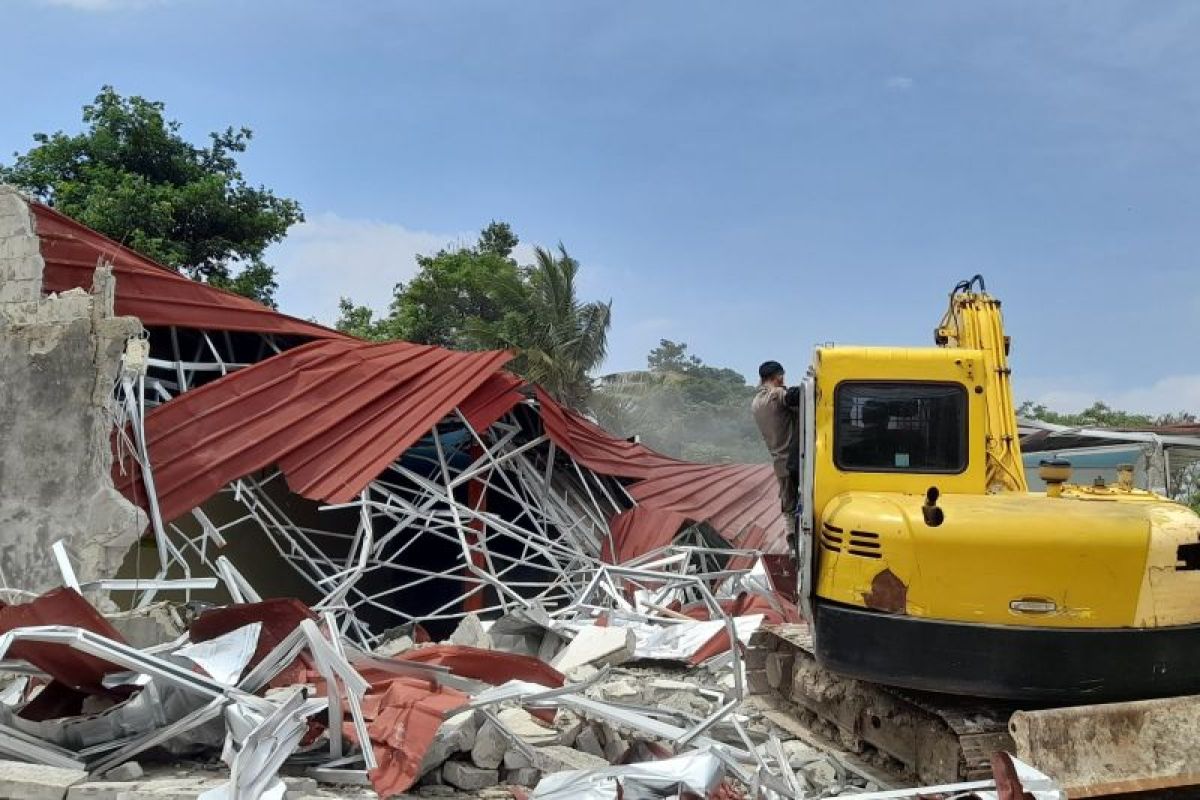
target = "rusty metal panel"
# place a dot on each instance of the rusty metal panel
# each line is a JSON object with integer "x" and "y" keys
{"x": 331, "y": 414}
{"x": 149, "y": 291}
{"x": 79, "y": 671}
{"x": 640, "y": 530}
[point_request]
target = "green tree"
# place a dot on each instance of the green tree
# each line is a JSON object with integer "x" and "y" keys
{"x": 1100, "y": 415}
{"x": 479, "y": 297}
{"x": 1185, "y": 470}
{"x": 132, "y": 176}
{"x": 559, "y": 340}
{"x": 671, "y": 357}
{"x": 452, "y": 293}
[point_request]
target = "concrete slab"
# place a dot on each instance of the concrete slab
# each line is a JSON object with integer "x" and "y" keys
{"x": 37, "y": 781}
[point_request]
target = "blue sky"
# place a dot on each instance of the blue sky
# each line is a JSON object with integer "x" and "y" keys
{"x": 750, "y": 178}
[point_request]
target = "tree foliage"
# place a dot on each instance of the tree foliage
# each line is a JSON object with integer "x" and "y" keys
{"x": 1101, "y": 415}
{"x": 682, "y": 407}
{"x": 452, "y": 293}
{"x": 558, "y": 338}
{"x": 1185, "y": 471}
{"x": 479, "y": 297}
{"x": 132, "y": 176}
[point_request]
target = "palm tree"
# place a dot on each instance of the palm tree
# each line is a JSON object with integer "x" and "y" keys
{"x": 559, "y": 340}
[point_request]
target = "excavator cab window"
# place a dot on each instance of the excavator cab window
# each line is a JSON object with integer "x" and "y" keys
{"x": 900, "y": 427}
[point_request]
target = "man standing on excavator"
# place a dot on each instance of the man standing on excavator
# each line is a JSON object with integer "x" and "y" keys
{"x": 775, "y": 409}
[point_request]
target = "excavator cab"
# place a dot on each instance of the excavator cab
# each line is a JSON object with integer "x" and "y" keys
{"x": 927, "y": 564}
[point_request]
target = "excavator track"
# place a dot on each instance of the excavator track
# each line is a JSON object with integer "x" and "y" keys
{"x": 934, "y": 739}
{"x": 1111, "y": 749}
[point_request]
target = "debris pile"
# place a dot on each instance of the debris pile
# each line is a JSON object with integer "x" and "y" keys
{"x": 632, "y": 687}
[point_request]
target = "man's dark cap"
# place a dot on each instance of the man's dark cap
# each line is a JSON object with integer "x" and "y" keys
{"x": 770, "y": 369}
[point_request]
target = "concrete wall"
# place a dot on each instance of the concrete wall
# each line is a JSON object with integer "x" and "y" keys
{"x": 59, "y": 358}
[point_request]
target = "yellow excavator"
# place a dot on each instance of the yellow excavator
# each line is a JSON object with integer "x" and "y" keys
{"x": 926, "y": 563}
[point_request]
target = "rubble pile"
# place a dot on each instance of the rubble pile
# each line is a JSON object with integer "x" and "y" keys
{"x": 634, "y": 687}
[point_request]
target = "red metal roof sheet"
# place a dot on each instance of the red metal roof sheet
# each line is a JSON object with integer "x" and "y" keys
{"x": 596, "y": 448}
{"x": 69, "y": 667}
{"x": 149, "y": 291}
{"x": 334, "y": 413}
{"x": 403, "y": 716}
{"x": 492, "y": 400}
{"x": 330, "y": 414}
{"x": 736, "y": 499}
{"x": 640, "y": 530}
{"x": 490, "y": 666}
{"x": 733, "y": 498}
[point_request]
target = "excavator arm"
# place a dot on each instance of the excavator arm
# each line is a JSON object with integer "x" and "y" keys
{"x": 973, "y": 321}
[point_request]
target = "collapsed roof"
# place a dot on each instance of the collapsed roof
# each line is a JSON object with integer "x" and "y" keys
{"x": 336, "y": 415}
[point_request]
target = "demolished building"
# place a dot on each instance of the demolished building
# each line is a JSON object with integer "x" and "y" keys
{"x": 327, "y": 507}
{"x": 360, "y": 465}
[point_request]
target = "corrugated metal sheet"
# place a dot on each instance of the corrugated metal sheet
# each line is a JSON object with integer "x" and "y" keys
{"x": 333, "y": 413}
{"x": 330, "y": 414}
{"x": 740, "y": 501}
{"x": 736, "y": 499}
{"x": 79, "y": 671}
{"x": 149, "y": 291}
{"x": 640, "y": 530}
{"x": 596, "y": 448}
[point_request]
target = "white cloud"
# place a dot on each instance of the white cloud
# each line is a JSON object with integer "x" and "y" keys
{"x": 103, "y": 5}
{"x": 329, "y": 256}
{"x": 899, "y": 83}
{"x": 1166, "y": 395}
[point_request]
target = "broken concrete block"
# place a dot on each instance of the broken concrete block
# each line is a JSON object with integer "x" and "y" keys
{"x": 469, "y": 777}
{"x": 129, "y": 771}
{"x": 596, "y": 646}
{"x": 676, "y": 695}
{"x": 522, "y": 631}
{"x": 551, "y": 645}
{"x": 615, "y": 746}
{"x": 523, "y": 724}
{"x": 569, "y": 727}
{"x": 490, "y": 745}
{"x": 822, "y": 773}
{"x": 186, "y": 787}
{"x": 523, "y": 776}
{"x": 434, "y": 777}
{"x": 394, "y": 647}
{"x": 556, "y": 758}
{"x": 101, "y": 790}
{"x": 625, "y": 690}
{"x": 799, "y": 754}
{"x": 296, "y": 787}
{"x": 582, "y": 673}
{"x": 37, "y": 781}
{"x": 470, "y": 633}
{"x": 588, "y": 741}
{"x": 516, "y": 759}
{"x": 455, "y": 735}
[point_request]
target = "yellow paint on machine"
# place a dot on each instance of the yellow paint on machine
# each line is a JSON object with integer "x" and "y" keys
{"x": 1091, "y": 558}
{"x": 1169, "y": 594}
{"x": 1086, "y": 559}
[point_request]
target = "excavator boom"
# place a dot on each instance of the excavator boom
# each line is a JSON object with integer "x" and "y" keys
{"x": 973, "y": 322}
